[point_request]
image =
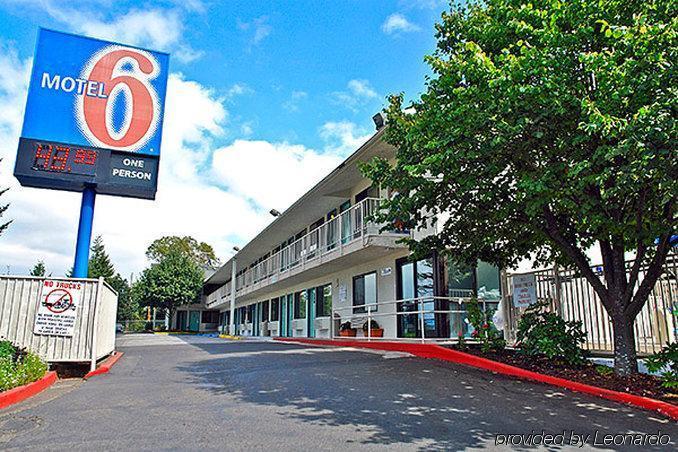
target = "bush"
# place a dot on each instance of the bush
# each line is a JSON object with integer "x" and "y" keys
{"x": 484, "y": 330}
{"x": 373, "y": 325}
{"x": 666, "y": 363}
{"x": 7, "y": 349}
{"x": 545, "y": 333}
{"x": 345, "y": 326}
{"x": 19, "y": 367}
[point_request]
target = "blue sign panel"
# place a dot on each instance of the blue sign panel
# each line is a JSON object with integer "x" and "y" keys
{"x": 93, "y": 116}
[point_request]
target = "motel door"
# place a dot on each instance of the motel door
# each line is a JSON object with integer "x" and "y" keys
{"x": 290, "y": 314}
{"x": 311, "y": 312}
{"x": 181, "y": 320}
{"x": 194, "y": 321}
{"x": 283, "y": 316}
{"x": 255, "y": 320}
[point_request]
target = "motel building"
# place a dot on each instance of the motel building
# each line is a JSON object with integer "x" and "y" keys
{"x": 323, "y": 269}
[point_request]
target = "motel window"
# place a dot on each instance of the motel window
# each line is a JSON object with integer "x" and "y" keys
{"x": 324, "y": 301}
{"x": 210, "y": 317}
{"x": 300, "y": 299}
{"x": 264, "y": 311}
{"x": 274, "y": 310}
{"x": 364, "y": 291}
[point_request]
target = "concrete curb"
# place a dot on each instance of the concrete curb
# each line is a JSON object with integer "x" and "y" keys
{"x": 105, "y": 366}
{"x": 22, "y": 393}
{"x": 446, "y": 354}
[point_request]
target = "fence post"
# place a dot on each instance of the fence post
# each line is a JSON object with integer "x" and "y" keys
{"x": 558, "y": 301}
{"x": 506, "y": 298}
{"x": 421, "y": 322}
{"x": 331, "y": 323}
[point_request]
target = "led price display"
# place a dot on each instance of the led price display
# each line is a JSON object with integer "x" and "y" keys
{"x": 64, "y": 159}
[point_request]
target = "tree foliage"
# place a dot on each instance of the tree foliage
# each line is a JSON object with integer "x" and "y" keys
{"x": 546, "y": 128}
{"x": 3, "y": 209}
{"x": 100, "y": 264}
{"x": 172, "y": 281}
{"x": 200, "y": 252}
{"x": 38, "y": 269}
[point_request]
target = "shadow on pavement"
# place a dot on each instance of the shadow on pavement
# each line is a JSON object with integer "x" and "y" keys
{"x": 424, "y": 403}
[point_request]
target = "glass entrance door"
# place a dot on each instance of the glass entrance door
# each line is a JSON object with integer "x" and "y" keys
{"x": 415, "y": 285}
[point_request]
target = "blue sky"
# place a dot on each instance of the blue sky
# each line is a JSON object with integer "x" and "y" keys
{"x": 293, "y": 83}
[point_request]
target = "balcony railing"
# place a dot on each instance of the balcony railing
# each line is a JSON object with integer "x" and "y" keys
{"x": 349, "y": 226}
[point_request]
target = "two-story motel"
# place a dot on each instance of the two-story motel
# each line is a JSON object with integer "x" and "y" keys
{"x": 323, "y": 258}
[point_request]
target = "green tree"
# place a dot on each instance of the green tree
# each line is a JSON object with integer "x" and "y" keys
{"x": 200, "y": 252}
{"x": 39, "y": 269}
{"x": 128, "y": 308}
{"x": 3, "y": 209}
{"x": 547, "y": 128}
{"x": 173, "y": 281}
{"x": 100, "y": 264}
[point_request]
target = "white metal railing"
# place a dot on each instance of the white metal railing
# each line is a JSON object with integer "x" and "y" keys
{"x": 330, "y": 237}
{"x": 455, "y": 318}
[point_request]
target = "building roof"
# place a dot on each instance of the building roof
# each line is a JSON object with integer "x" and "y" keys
{"x": 311, "y": 206}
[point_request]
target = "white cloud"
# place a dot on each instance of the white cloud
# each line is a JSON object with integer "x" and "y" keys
{"x": 273, "y": 175}
{"x": 357, "y": 94}
{"x": 292, "y": 104}
{"x": 258, "y": 29}
{"x": 398, "y": 23}
{"x": 156, "y": 28}
{"x": 238, "y": 89}
{"x": 343, "y": 137}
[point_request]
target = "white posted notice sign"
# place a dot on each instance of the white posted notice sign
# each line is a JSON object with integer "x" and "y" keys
{"x": 57, "y": 308}
{"x": 524, "y": 290}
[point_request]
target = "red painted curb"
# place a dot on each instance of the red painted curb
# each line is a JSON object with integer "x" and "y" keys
{"x": 446, "y": 354}
{"x": 105, "y": 366}
{"x": 21, "y": 393}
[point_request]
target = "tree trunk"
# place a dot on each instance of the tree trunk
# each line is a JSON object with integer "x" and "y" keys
{"x": 625, "y": 358}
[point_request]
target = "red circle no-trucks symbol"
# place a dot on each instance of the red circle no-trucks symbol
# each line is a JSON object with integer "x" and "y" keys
{"x": 59, "y": 301}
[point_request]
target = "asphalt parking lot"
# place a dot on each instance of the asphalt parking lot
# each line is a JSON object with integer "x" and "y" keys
{"x": 198, "y": 393}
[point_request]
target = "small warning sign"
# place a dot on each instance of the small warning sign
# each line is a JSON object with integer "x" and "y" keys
{"x": 58, "y": 307}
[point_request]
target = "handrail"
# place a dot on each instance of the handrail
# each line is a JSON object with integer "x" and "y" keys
{"x": 348, "y": 226}
{"x": 369, "y": 312}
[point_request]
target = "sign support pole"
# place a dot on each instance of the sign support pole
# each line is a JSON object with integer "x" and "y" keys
{"x": 82, "y": 244}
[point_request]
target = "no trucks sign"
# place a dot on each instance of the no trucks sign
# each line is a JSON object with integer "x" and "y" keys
{"x": 58, "y": 307}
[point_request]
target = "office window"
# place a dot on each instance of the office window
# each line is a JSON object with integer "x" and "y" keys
{"x": 364, "y": 291}
{"x": 487, "y": 277}
{"x": 300, "y": 299}
{"x": 275, "y": 313}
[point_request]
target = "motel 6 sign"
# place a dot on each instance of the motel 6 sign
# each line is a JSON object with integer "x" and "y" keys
{"x": 93, "y": 117}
